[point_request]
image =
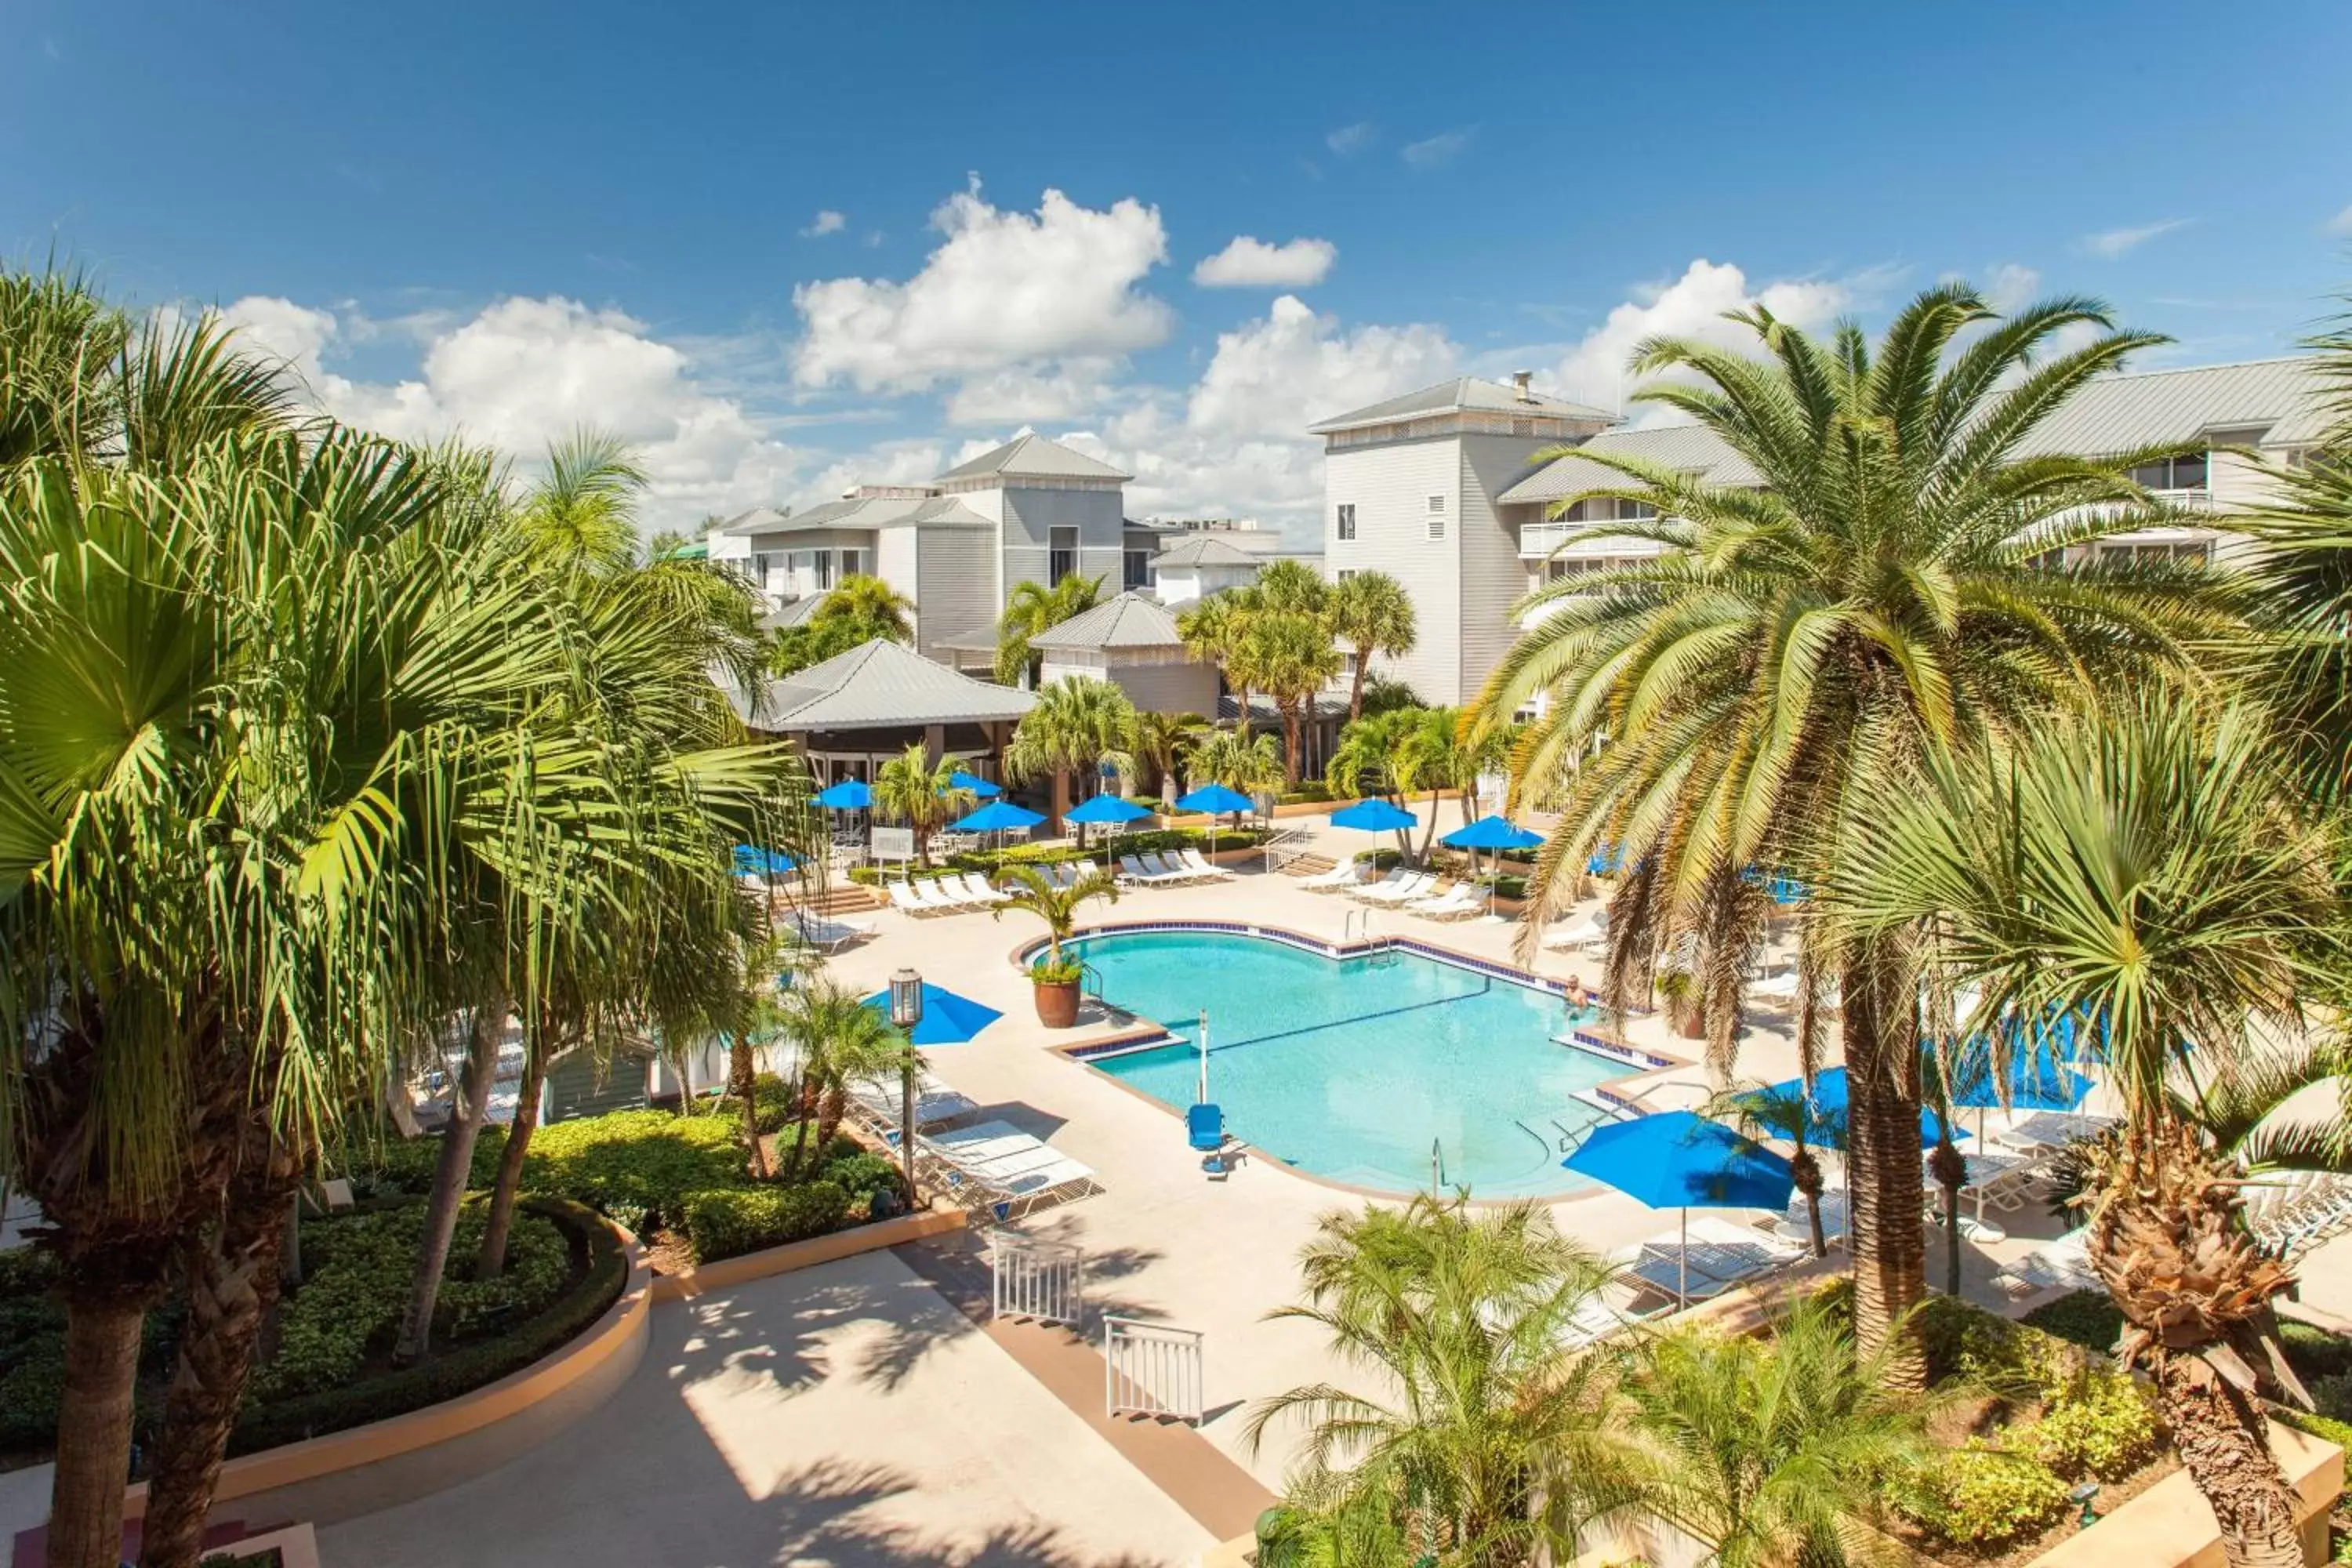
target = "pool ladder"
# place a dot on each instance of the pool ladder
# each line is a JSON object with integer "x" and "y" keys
{"x": 1436, "y": 1168}
{"x": 1358, "y": 924}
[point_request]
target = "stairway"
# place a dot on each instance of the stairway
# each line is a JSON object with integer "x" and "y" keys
{"x": 1309, "y": 864}
{"x": 847, "y": 898}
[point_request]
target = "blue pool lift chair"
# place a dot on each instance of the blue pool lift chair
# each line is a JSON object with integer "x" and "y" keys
{"x": 1205, "y": 1129}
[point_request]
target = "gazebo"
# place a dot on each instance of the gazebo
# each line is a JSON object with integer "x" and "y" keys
{"x": 857, "y": 710}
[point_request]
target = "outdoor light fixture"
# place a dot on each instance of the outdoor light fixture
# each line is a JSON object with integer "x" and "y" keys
{"x": 905, "y": 1012}
{"x": 907, "y": 999}
{"x": 2086, "y": 1494}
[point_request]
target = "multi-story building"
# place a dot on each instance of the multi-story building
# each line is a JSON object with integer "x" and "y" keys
{"x": 1508, "y": 543}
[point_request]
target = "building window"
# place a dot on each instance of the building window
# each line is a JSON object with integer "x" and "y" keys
{"x": 1061, "y": 553}
{"x": 853, "y": 562}
{"x": 1345, "y": 576}
{"x": 2172, "y": 474}
{"x": 1348, "y": 522}
{"x": 2197, "y": 552}
{"x": 1610, "y": 508}
{"x": 1138, "y": 574}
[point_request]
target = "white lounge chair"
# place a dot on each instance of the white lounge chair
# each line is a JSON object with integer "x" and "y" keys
{"x": 1397, "y": 877}
{"x": 819, "y": 930}
{"x": 1413, "y": 887}
{"x": 1459, "y": 900}
{"x": 1202, "y": 867}
{"x": 997, "y": 1167}
{"x": 938, "y": 897}
{"x": 1136, "y": 871}
{"x": 1588, "y": 933}
{"x": 2046, "y": 1131}
{"x": 1170, "y": 867}
{"x": 1343, "y": 875}
{"x": 2063, "y": 1265}
{"x": 877, "y": 1105}
{"x": 1797, "y": 1225}
{"x": 903, "y": 897}
{"x": 976, "y": 889}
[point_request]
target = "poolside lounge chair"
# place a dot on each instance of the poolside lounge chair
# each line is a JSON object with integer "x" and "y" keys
{"x": 1459, "y": 900}
{"x": 1797, "y": 1225}
{"x": 903, "y": 897}
{"x": 1172, "y": 864}
{"x": 937, "y": 895}
{"x": 2045, "y": 1132}
{"x": 1343, "y": 875}
{"x": 1136, "y": 871}
{"x": 1397, "y": 877}
{"x": 2063, "y": 1265}
{"x": 1201, "y": 866}
{"x": 976, "y": 889}
{"x": 1404, "y": 891}
{"x": 824, "y": 931}
{"x": 875, "y": 1105}
{"x": 1589, "y": 932}
{"x": 997, "y": 1167}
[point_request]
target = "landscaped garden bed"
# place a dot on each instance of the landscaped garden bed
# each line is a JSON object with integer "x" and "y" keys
{"x": 991, "y": 861}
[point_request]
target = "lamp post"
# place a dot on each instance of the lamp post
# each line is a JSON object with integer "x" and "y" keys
{"x": 906, "y": 1011}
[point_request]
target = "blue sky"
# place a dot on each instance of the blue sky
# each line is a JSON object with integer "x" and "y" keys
{"x": 508, "y": 219}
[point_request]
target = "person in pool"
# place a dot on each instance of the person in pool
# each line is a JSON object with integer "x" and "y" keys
{"x": 1579, "y": 1001}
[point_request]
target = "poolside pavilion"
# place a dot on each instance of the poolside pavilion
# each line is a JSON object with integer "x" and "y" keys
{"x": 857, "y": 710}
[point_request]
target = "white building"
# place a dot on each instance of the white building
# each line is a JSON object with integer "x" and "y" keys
{"x": 1191, "y": 569}
{"x": 1469, "y": 553}
{"x": 1132, "y": 642}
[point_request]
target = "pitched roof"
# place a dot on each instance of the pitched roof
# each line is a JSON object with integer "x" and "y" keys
{"x": 793, "y": 614}
{"x": 1692, "y": 448}
{"x": 1463, "y": 393}
{"x": 879, "y": 685}
{"x": 866, "y": 512}
{"x": 1033, "y": 457}
{"x": 1206, "y": 549}
{"x": 2284, "y": 398}
{"x": 1130, "y": 620}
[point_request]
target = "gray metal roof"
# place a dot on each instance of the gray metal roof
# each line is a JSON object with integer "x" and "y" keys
{"x": 1033, "y": 457}
{"x": 1130, "y": 620}
{"x": 880, "y": 685}
{"x": 1205, "y": 550}
{"x": 1265, "y": 712}
{"x": 2285, "y": 399}
{"x": 793, "y": 614}
{"x": 1692, "y": 448}
{"x": 865, "y": 512}
{"x": 1463, "y": 393}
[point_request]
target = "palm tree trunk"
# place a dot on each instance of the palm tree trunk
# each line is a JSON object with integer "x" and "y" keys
{"x": 93, "y": 1463}
{"x": 231, "y": 1279}
{"x": 1356, "y": 688}
{"x": 1290, "y": 742}
{"x": 491, "y": 1261}
{"x": 1885, "y": 1188}
{"x": 1241, "y": 719}
{"x": 2223, "y": 1439}
{"x": 451, "y": 1176}
{"x": 1951, "y": 1173}
{"x": 833, "y": 1108}
{"x": 743, "y": 1084}
{"x": 1808, "y": 1174}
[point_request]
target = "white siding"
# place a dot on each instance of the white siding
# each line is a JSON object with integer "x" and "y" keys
{"x": 894, "y": 564}
{"x": 1492, "y": 577}
{"x": 952, "y": 586}
{"x": 1172, "y": 687}
{"x": 1390, "y": 487}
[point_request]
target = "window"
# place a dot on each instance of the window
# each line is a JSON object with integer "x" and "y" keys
{"x": 2197, "y": 552}
{"x": 1061, "y": 553}
{"x": 2172, "y": 474}
{"x": 1348, "y": 520}
{"x": 853, "y": 562}
{"x": 1345, "y": 576}
{"x": 1137, "y": 573}
{"x": 1610, "y": 508}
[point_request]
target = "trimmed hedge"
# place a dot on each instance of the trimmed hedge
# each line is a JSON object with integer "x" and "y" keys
{"x": 637, "y": 1166}
{"x": 731, "y": 1221}
{"x": 2087, "y": 1317}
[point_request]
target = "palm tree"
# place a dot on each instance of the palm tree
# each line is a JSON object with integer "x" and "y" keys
{"x": 1372, "y": 614}
{"x": 923, "y": 792}
{"x": 1291, "y": 587}
{"x": 1769, "y": 1449}
{"x": 1366, "y": 759}
{"x": 875, "y": 608}
{"x": 1212, "y": 630}
{"x": 839, "y": 1041}
{"x": 1768, "y": 1111}
{"x": 1876, "y": 593}
{"x": 1032, "y": 608}
{"x": 1287, "y": 655}
{"x": 1056, "y": 906}
{"x": 584, "y": 511}
{"x": 1230, "y": 758}
{"x": 1484, "y": 1442}
{"x": 1160, "y": 744}
{"x": 2153, "y": 872}
{"x": 1077, "y": 726}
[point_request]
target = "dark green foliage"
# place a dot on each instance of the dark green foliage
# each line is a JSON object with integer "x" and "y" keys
{"x": 772, "y": 1101}
{"x": 862, "y": 1175}
{"x": 635, "y": 1165}
{"x": 1977, "y": 1495}
{"x": 394, "y": 1167}
{"x": 2087, "y": 1317}
{"x": 728, "y": 1222}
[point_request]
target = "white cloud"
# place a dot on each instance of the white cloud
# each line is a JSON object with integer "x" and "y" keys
{"x": 523, "y": 373}
{"x": 1439, "y": 150}
{"x": 1005, "y": 290}
{"x": 2340, "y": 223}
{"x": 1350, "y": 140}
{"x": 2011, "y": 287}
{"x": 1252, "y": 263}
{"x": 2113, "y": 242}
{"x": 1071, "y": 389}
{"x": 1692, "y": 305}
{"x": 827, "y": 222}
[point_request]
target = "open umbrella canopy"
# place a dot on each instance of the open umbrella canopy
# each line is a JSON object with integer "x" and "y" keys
{"x": 1826, "y": 1124}
{"x": 1605, "y": 861}
{"x": 1780, "y": 887}
{"x": 1374, "y": 816}
{"x": 1106, "y": 808}
{"x": 849, "y": 794}
{"x": 1489, "y": 833}
{"x": 752, "y": 860}
{"x": 1678, "y": 1160}
{"x": 948, "y": 1019}
{"x": 1216, "y": 800}
{"x": 997, "y": 816}
{"x": 2038, "y": 1077}
{"x": 974, "y": 783}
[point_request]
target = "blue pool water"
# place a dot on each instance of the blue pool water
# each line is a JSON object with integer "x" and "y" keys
{"x": 1349, "y": 1067}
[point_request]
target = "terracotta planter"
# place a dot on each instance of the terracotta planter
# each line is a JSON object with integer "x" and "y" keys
{"x": 1057, "y": 1003}
{"x": 1689, "y": 1023}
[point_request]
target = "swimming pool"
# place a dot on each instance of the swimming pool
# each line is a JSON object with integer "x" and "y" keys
{"x": 1350, "y": 1068}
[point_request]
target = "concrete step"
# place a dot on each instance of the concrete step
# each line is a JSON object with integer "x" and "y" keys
{"x": 1308, "y": 864}
{"x": 848, "y": 899}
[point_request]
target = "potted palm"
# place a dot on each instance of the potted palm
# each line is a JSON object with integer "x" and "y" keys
{"x": 1055, "y": 977}
{"x": 1678, "y": 989}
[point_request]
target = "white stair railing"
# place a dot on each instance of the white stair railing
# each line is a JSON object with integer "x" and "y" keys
{"x": 1042, "y": 1280}
{"x": 1152, "y": 1369}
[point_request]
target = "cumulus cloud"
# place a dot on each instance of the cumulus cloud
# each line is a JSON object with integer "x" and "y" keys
{"x": 1252, "y": 263}
{"x": 2011, "y": 287}
{"x": 827, "y": 222}
{"x": 1070, "y": 390}
{"x": 523, "y": 373}
{"x": 1692, "y": 305}
{"x": 1005, "y": 290}
{"x": 1436, "y": 152}
{"x": 2113, "y": 242}
{"x": 1349, "y": 140}
{"x": 2340, "y": 223}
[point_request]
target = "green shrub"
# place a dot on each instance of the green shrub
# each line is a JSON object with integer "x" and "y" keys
{"x": 2087, "y": 1317}
{"x": 2331, "y": 1397}
{"x": 729, "y": 1221}
{"x": 637, "y": 1166}
{"x": 2102, "y": 1426}
{"x": 862, "y": 1175}
{"x": 1304, "y": 793}
{"x": 2322, "y": 1427}
{"x": 1980, "y": 1496}
{"x": 2313, "y": 1353}
{"x": 393, "y": 1167}
{"x": 772, "y": 1105}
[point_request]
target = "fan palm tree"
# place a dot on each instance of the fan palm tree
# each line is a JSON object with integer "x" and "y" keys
{"x": 1213, "y": 630}
{"x": 1160, "y": 744}
{"x": 2156, "y": 872}
{"x": 922, "y": 792}
{"x": 1287, "y": 655}
{"x": 1769, "y": 1449}
{"x": 839, "y": 1040}
{"x": 1032, "y": 608}
{"x": 1234, "y": 758}
{"x": 1077, "y": 726}
{"x": 1372, "y": 614}
{"x": 1877, "y": 592}
{"x": 1484, "y": 1442}
{"x": 1058, "y": 906}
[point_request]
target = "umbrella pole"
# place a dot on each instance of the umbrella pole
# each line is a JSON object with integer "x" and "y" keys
{"x": 1682, "y": 1267}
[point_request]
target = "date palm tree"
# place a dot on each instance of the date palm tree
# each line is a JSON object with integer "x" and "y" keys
{"x": 1058, "y": 906}
{"x": 1372, "y": 614}
{"x": 922, "y": 792}
{"x": 1287, "y": 655}
{"x": 2157, "y": 872}
{"x": 875, "y": 606}
{"x": 1161, "y": 741}
{"x": 1768, "y": 1111}
{"x": 1738, "y": 700}
{"x": 1077, "y": 726}
{"x": 1032, "y": 608}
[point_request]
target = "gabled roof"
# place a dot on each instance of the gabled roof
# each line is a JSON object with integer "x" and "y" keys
{"x": 1463, "y": 393}
{"x": 865, "y": 511}
{"x": 1691, "y": 448}
{"x": 1205, "y": 550}
{"x": 793, "y": 614}
{"x": 1130, "y": 620}
{"x": 2285, "y": 399}
{"x": 879, "y": 685}
{"x": 1033, "y": 457}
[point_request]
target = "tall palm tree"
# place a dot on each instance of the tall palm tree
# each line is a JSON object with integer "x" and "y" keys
{"x": 1372, "y": 614}
{"x": 1367, "y": 758}
{"x": 1479, "y": 1438}
{"x": 1032, "y": 608}
{"x": 584, "y": 511}
{"x": 921, "y": 792}
{"x": 837, "y": 1041}
{"x": 1875, "y": 593}
{"x": 1213, "y": 630}
{"x": 1769, "y": 1449}
{"x": 1160, "y": 744}
{"x": 2154, "y": 872}
{"x": 1287, "y": 655}
{"x": 1076, "y": 726}
{"x": 1768, "y": 1111}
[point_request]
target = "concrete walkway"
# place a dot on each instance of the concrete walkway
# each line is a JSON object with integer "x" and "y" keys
{"x": 845, "y": 1416}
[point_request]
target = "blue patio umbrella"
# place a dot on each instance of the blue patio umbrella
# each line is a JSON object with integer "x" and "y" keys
{"x": 997, "y": 816}
{"x": 2038, "y": 1077}
{"x": 1491, "y": 833}
{"x": 1826, "y": 1126}
{"x": 849, "y": 794}
{"x": 753, "y": 860}
{"x": 1108, "y": 809}
{"x": 1374, "y": 816}
{"x": 1216, "y": 800}
{"x": 1605, "y": 861}
{"x": 948, "y": 1019}
{"x": 979, "y": 786}
{"x": 1681, "y": 1161}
